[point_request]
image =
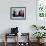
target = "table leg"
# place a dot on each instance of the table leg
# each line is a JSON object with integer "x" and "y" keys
{"x": 5, "y": 40}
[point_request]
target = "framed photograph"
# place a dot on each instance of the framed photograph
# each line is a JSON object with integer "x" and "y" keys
{"x": 18, "y": 13}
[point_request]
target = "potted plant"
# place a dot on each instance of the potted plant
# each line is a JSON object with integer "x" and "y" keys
{"x": 39, "y": 35}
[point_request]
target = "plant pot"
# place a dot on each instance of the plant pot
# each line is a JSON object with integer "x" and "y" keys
{"x": 40, "y": 41}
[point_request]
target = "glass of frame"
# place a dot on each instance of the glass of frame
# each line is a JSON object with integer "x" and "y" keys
{"x": 18, "y": 13}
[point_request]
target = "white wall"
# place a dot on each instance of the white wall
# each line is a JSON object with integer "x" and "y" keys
{"x": 24, "y": 25}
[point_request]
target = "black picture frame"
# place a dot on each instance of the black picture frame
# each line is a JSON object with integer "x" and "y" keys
{"x": 18, "y": 13}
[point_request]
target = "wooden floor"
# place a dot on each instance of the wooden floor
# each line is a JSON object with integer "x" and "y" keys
{"x": 13, "y": 44}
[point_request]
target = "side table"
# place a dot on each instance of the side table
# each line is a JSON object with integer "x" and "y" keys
{"x": 8, "y": 34}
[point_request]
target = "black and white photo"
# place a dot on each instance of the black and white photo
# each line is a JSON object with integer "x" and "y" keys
{"x": 18, "y": 13}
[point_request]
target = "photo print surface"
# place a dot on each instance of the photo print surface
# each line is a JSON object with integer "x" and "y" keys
{"x": 18, "y": 13}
